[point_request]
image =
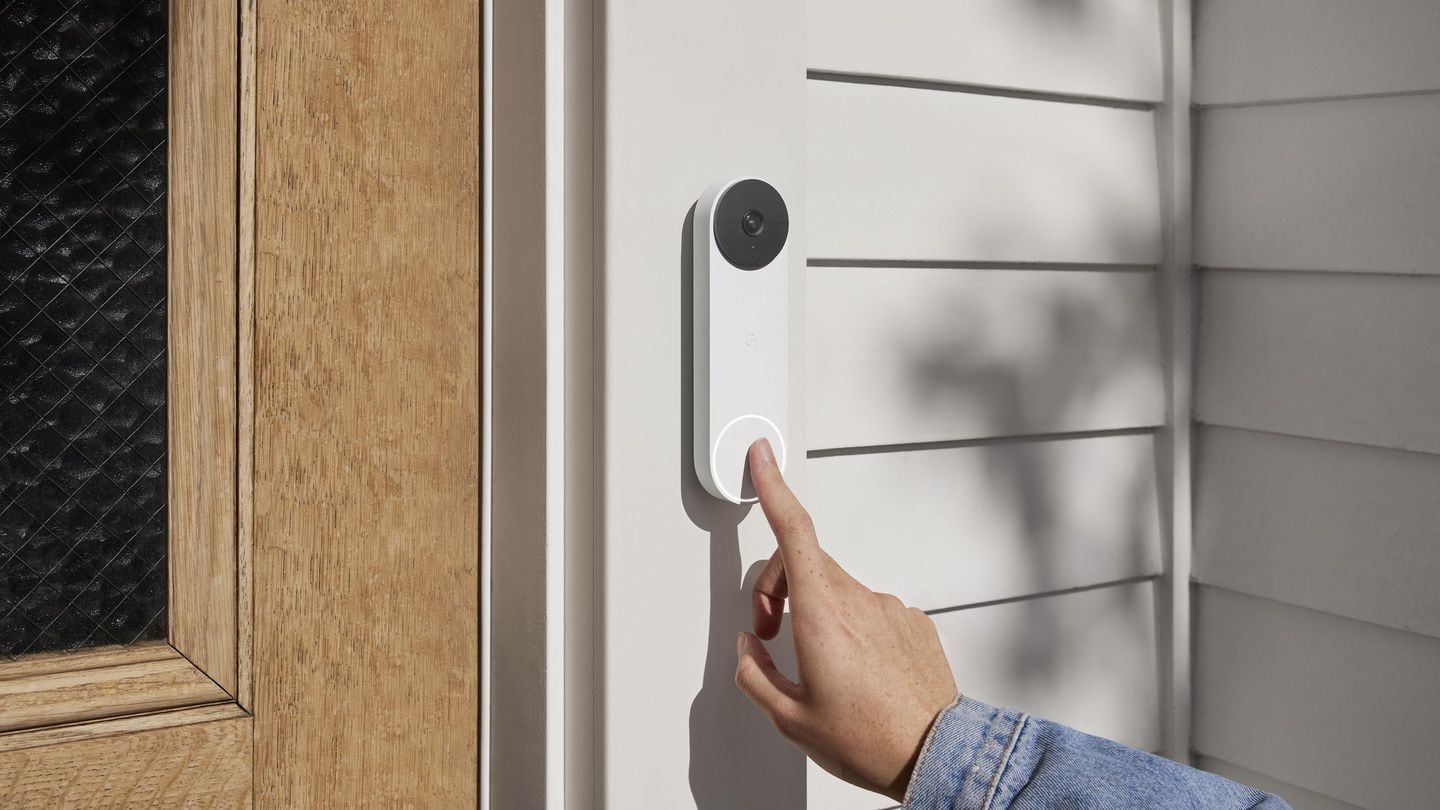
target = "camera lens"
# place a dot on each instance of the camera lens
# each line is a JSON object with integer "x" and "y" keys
{"x": 749, "y": 223}
{"x": 752, "y": 223}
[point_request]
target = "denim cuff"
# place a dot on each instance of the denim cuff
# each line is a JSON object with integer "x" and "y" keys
{"x": 964, "y": 756}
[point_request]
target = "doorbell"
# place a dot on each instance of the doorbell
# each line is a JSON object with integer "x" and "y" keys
{"x": 742, "y": 334}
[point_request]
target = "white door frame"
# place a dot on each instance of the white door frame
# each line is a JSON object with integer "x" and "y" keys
{"x": 538, "y": 437}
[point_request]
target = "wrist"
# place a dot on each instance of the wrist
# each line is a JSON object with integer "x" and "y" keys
{"x": 969, "y": 748}
{"x": 901, "y": 787}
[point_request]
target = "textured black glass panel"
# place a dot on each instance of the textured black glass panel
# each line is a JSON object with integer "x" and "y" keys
{"x": 82, "y": 323}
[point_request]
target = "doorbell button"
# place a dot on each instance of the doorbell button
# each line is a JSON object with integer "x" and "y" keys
{"x": 729, "y": 463}
{"x": 741, "y": 322}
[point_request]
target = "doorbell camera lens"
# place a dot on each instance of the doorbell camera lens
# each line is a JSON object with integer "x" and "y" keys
{"x": 752, "y": 223}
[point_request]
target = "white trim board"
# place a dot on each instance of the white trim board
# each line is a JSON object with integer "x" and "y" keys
{"x": 1173, "y": 128}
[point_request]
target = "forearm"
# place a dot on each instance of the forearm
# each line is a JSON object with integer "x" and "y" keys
{"x": 979, "y": 757}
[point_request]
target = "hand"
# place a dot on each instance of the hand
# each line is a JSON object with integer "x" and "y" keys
{"x": 873, "y": 676}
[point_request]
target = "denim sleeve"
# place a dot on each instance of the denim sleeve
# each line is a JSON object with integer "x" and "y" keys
{"x": 979, "y": 757}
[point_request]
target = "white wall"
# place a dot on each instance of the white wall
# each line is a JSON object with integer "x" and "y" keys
{"x": 689, "y": 93}
{"x": 1316, "y": 553}
{"x": 983, "y": 354}
{"x": 976, "y": 362}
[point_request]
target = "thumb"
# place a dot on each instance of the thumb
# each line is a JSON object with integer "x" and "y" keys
{"x": 758, "y": 678}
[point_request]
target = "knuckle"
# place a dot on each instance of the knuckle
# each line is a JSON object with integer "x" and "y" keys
{"x": 744, "y": 671}
{"x": 800, "y": 524}
{"x": 787, "y": 719}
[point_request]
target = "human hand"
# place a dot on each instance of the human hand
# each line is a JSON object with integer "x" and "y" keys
{"x": 873, "y": 676}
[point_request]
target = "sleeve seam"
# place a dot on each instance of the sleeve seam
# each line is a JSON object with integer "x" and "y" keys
{"x": 1020, "y": 724}
{"x": 925, "y": 747}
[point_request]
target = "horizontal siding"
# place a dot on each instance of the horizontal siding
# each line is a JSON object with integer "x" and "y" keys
{"x": 922, "y": 175}
{"x": 1247, "y": 51}
{"x": 1340, "y": 185}
{"x": 1342, "y": 528}
{"x": 904, "y": 355}
{"x": 974, "y": 524}
{"x": 1336, "y": 706}
{"x": 980, "y": 268}
{"x": 1332, "y": 356}
{"x": 1315, "y": 650}
{"x": 1102, "y": 48}
{"x": 1083, "y": 659}
{"x": 1297, "y": 797}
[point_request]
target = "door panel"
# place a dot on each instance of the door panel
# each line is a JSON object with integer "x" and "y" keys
{"x": 320, "y": 492}
{"x": 117, "y": 313}
{"x": 367, "y": 403}
{"x": 48, "y": 690}
{"x": 199, "y": 765}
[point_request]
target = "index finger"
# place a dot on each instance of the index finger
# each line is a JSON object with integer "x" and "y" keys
{"x": 794, "y": 531}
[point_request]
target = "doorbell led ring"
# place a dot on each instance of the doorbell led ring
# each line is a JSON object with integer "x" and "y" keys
{"x": 742, "y": 336}
{"x": 736, "y": 438}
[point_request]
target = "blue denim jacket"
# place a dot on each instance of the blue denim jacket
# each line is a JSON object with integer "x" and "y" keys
{"x": 983, "y": 758}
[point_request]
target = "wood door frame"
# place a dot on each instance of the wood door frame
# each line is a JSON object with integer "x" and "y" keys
{"x": 367, "y": 403}
{"x": 201, "y": 672}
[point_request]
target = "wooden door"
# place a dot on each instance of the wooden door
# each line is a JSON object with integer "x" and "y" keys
{"x": 291, "y": 338}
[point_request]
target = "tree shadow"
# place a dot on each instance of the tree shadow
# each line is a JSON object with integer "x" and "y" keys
{"x": 1051, "y": 351}
{"x": 1082, "y": 332}
{"x": 737, "y": 759}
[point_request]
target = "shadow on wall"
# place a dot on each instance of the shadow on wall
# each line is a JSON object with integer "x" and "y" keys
{"x": 1077, "y": 333}
{"x": 994, "y": 353}
{"x": 1081, "y": 333}
{"x": 737, "y": 759}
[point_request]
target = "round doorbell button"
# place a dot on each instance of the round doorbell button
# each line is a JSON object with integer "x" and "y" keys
{"x": 729, "y": 457}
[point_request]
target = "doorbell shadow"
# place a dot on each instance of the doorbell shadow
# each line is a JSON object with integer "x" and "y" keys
{"x": 737, "y": 759}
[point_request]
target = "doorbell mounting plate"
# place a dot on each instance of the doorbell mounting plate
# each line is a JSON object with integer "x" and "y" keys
{"x": 742, "y": 333}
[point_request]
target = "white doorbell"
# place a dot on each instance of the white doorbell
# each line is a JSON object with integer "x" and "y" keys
{"x": 741, "y": 331}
